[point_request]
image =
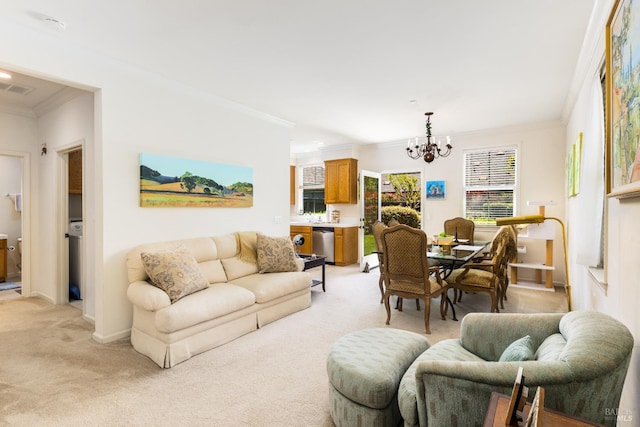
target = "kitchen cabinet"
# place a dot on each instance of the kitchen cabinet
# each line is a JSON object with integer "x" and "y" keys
{"x": 346, "y": 245}
{"x": 292, "y": 185}
{"x": 3, "y": 260}
{"x": 75, "y": 172}
{"x": 341, "y": 181}
{"x": 307, "y": 233}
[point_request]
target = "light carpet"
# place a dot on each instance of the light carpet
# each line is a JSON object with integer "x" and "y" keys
{"x": 53, "y": 374}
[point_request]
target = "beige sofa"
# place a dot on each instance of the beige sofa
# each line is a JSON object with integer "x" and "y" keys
{"x": 237, "y": 300}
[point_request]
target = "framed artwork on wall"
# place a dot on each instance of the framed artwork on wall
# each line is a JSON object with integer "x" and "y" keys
{"x": 574, "y": 160}
{"x": 622, "y": 100}
{"x": 174, "y": 182}
{"x": 569, "y": 171}
{"x": 436, "y": 190}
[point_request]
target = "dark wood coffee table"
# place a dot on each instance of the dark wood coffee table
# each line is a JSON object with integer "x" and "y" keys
{"x": 311, "y": 262}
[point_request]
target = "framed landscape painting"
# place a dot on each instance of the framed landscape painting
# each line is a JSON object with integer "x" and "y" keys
{"x": 623, "y": 102}
{"x": 170, "y": 182}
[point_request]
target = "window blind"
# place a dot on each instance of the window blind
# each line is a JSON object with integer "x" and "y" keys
{"x": 490, "y": 182}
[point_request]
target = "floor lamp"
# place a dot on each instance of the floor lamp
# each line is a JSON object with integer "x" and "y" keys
{"x": 539, "y": 219}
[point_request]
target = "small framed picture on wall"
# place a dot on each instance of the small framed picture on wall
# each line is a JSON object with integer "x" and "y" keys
{"x": 436, "y": 189}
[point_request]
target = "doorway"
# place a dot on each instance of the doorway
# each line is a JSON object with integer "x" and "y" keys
{"x": 401, "y": 197}
{"x": 15, "y": 224}
{"x": 370, "y": 184}
{"x": 71, "y": 286}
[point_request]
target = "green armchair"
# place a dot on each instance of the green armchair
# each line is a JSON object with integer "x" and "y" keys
{"x": 581, "y": 360}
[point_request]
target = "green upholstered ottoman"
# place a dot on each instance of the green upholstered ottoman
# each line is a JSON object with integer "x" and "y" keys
{"x": 365, "y": 369}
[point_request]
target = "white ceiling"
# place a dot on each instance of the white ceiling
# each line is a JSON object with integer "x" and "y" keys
{"x": 343, "y": 70}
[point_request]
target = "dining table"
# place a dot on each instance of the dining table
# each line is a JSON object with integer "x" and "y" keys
{"x": 456, "y": 255}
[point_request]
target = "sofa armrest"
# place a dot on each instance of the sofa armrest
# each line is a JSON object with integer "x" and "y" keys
{"x": 300, "y": 264}
{"x": 464, "y": 388}
{"x": 147, "y": 296}
{"x": 487, "y": 335}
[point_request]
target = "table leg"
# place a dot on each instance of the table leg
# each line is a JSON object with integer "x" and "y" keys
{"x": 323, "y": 279}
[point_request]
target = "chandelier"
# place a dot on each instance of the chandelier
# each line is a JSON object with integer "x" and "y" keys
{"x": 430, "y": 149}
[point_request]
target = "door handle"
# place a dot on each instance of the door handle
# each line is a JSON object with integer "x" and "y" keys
{"x": 66, "y": 235}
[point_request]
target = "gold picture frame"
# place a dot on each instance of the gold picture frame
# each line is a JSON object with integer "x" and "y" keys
{"x": 622, "y": 106}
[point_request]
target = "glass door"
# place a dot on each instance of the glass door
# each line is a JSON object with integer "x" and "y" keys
{"x": 370, "y": 208}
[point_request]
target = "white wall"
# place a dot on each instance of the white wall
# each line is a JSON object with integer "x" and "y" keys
{"x": 136, "y": 112}
{"x": 62, "y": 128}
{"x": 620, "y": 294}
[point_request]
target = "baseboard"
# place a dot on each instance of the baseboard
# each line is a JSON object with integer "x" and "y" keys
{"x": 523, "y": 284}
{"x": 110, "y": 338}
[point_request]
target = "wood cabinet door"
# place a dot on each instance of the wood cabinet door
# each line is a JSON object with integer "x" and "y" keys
{"x": 346, "y": 245}
{"x": 307, "y": 233}
{"x": 3, "y": 260}
{"x": 331, "y": 182}
{"x": 340, "y": 181}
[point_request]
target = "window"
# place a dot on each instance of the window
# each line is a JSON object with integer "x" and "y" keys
{"x": 489, "y": 184}
{"x": 313, "y": 190}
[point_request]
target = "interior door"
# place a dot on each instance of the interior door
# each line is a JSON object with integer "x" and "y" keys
{"x": 370, "y": 208}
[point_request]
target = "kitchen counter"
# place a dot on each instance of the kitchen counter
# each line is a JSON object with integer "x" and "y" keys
{"x": 323, "y": 224}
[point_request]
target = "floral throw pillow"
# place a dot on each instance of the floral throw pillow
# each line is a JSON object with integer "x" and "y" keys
{"x": 275, "y": 254}
{"x": 174, "y": 271}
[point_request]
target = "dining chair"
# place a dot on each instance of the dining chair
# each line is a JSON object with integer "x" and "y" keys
{"x": 407, "y": 270}
{"x": 460, "y": 227}
{"x": 488, "y": 275}
{"x": 376, "y": 230}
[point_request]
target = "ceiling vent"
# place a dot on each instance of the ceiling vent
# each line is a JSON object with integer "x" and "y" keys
{"x": 14, "y": 88}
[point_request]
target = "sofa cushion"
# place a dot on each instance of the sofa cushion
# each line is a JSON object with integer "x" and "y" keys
{"x": 226, "y": 245}
{"x": 213, "y": 271}
{"x": 234, "y": 267}
{"x": 174, "y": 271}
{"x": 519, "y": 350}
{"x": 268, "y": 287}
{"x": 219, "y": 299}
{"x": 551, "y": 348}
{"x": 275, "y": 254}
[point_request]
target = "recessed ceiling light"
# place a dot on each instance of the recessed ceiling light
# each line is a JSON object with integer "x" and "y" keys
{"x": 4, "y": 75}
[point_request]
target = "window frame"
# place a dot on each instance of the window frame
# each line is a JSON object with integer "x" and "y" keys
{"x": 515, "y": 187}
{"x": 312, "y": 186}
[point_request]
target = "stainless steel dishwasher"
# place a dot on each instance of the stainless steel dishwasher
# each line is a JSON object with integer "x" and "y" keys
{"x": 323, "y": 243}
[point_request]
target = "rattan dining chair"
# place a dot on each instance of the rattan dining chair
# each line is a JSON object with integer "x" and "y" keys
{"x": 407, "y": 270}
{"x": 376, "y": 230}
{"x": 488, "y": 275}
{"x": 461, "y": 228}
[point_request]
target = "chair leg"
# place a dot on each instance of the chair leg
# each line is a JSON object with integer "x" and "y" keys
{"x": 427, "y": 311}
{"x": 494, "y": 302}
{"x": 386, "y": 306}
{"x": 418, "y": 304}
{"x": 503, "y": 292}
{"x": 380, "y": 284}
{"x": 443, "y": 305}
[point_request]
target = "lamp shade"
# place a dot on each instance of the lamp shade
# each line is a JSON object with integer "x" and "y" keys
{"x": 525, "y": 219}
